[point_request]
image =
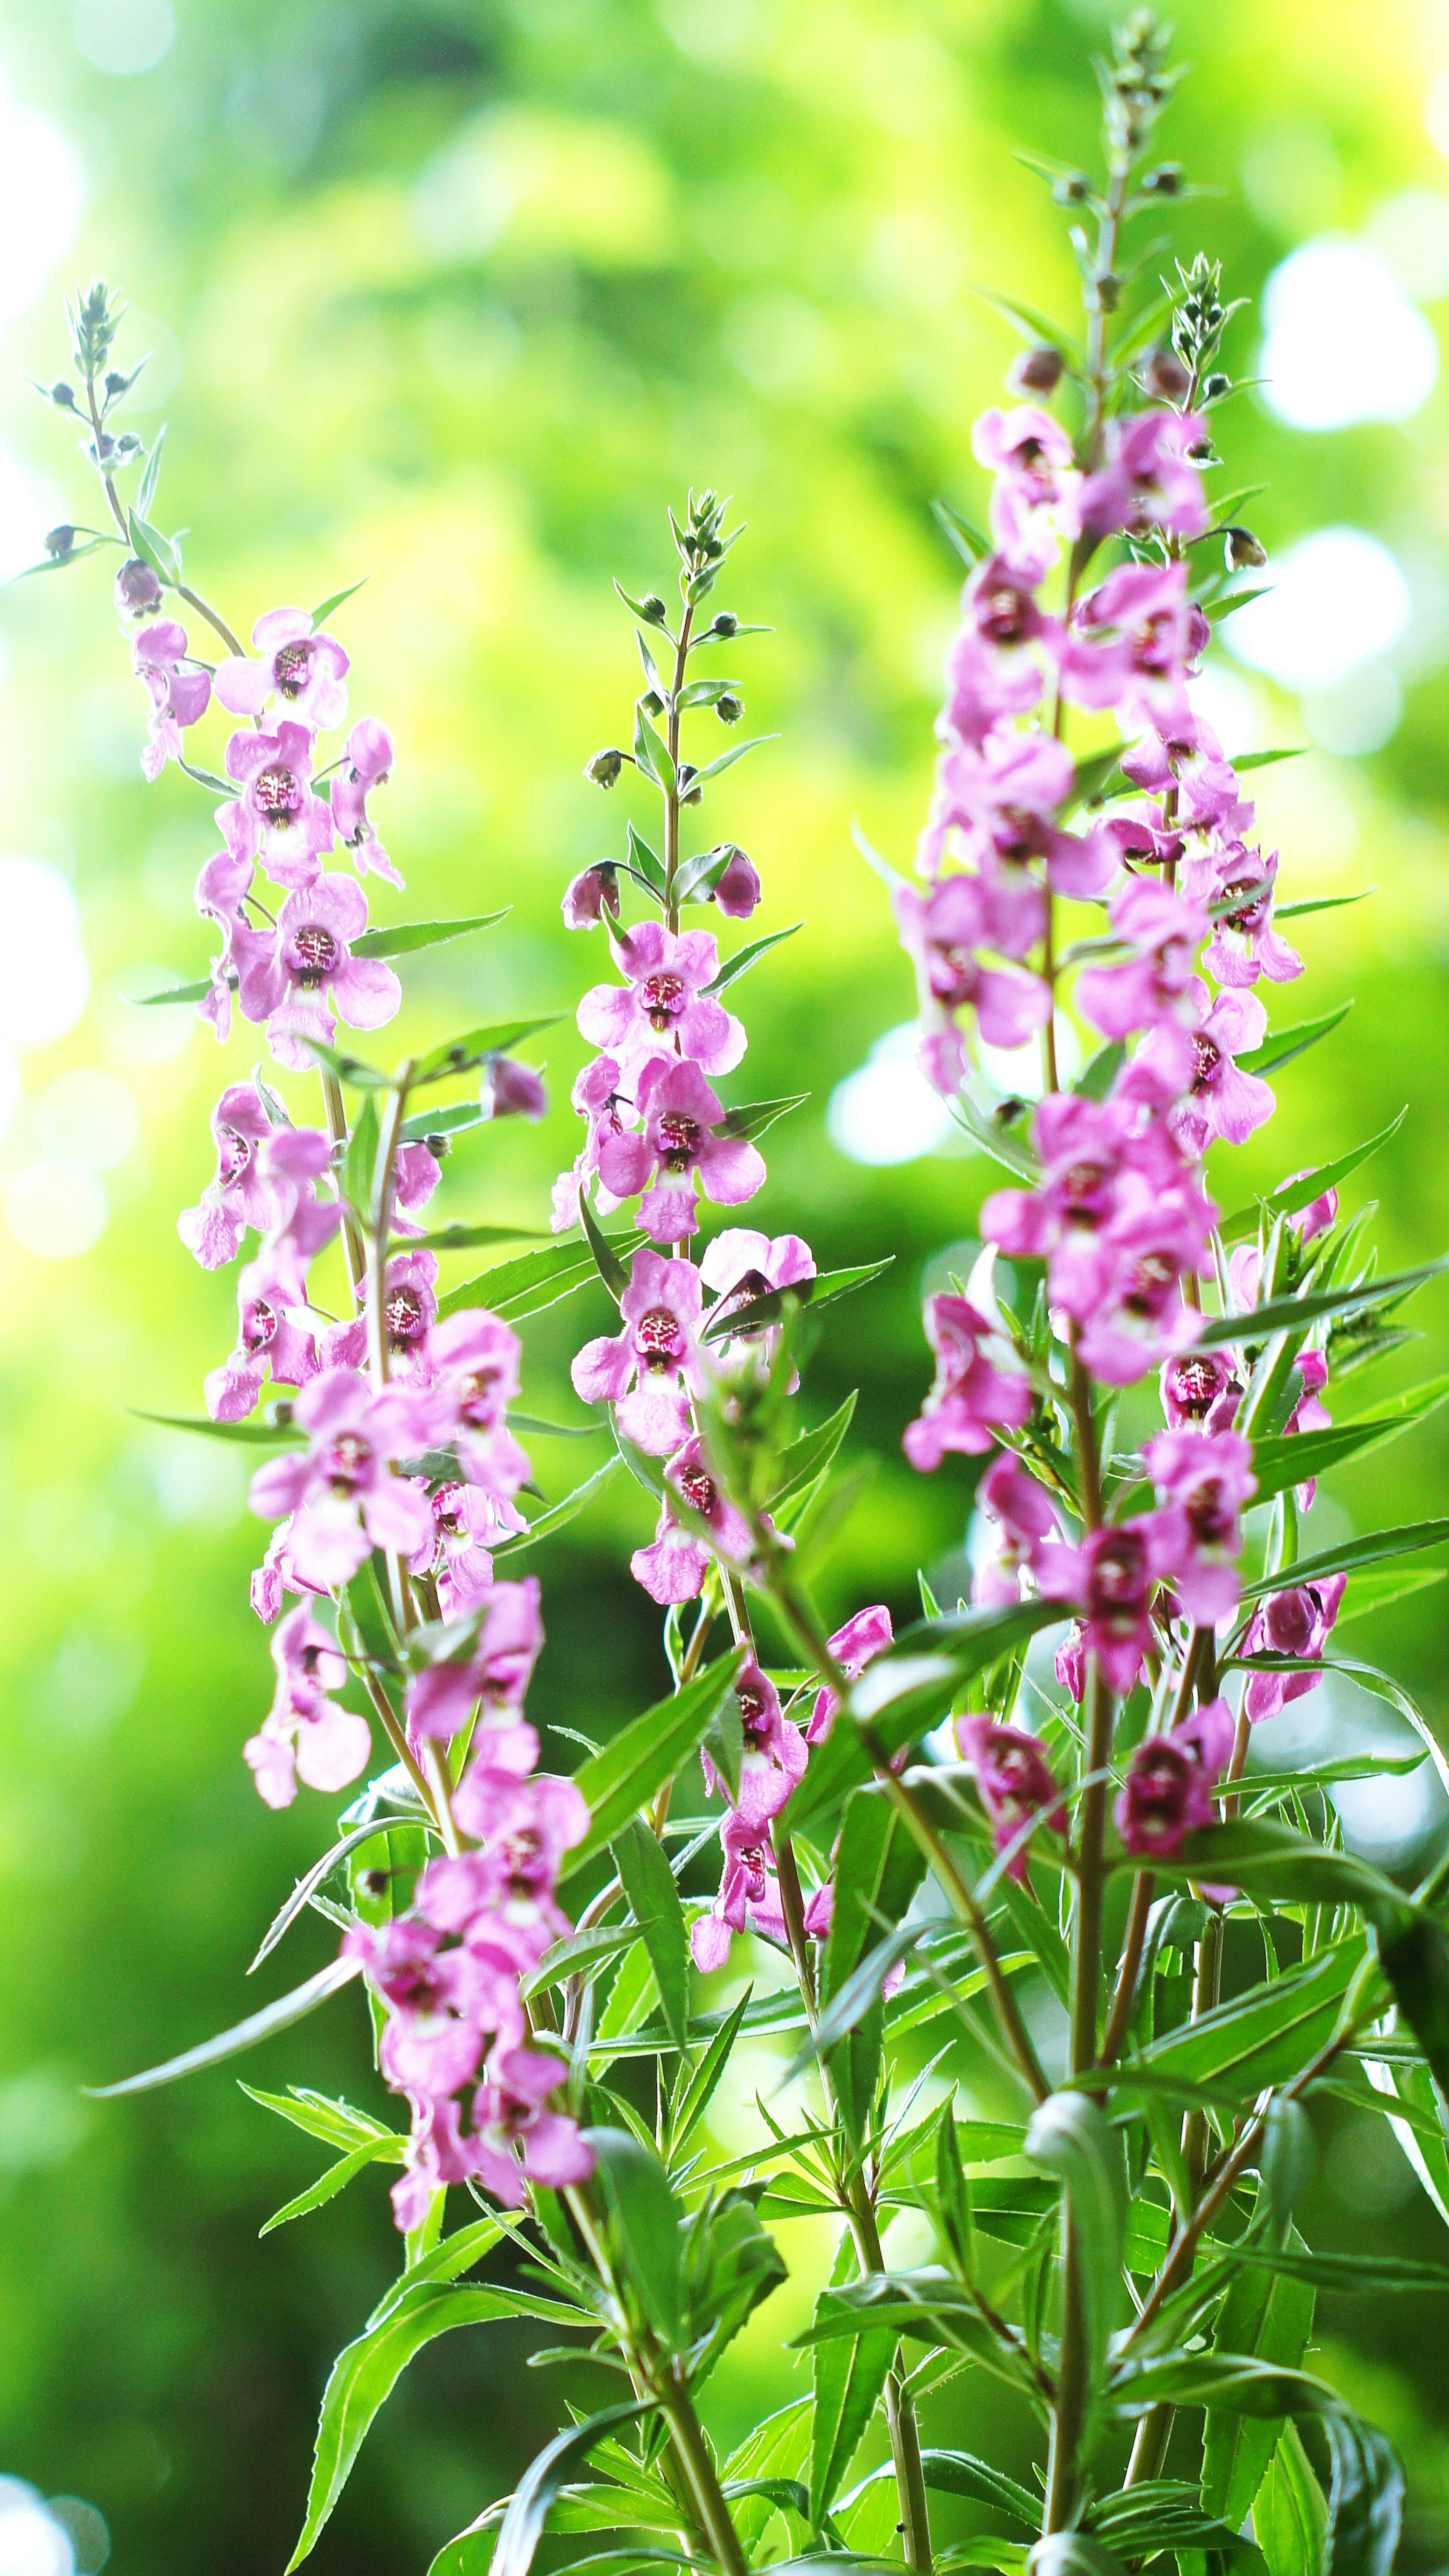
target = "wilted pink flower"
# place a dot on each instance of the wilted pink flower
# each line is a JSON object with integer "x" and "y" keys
{"x": 680, "y": 1114}
{"x": 240, "y": 1195}
{"x": 596, "y": 1096}
{"x": 1015, "y": 1781}
{"x": 178, "y": 698}
{"x": 415, "y": 1175}
{"x": 650, "y": 1369}
{"x": 310, "y": 965}
{"x": 276, "y": 815}
{"x": 1148, "y": 480}
{"x": 674, "y": 1567}
{"x": 367, "y": 764}
{"x": 854, "y": 1646}
{"x": 304, "y": 670}
{"x": 979, "y": 1386}
{"x": 306, "y": 1735}
{"x": 511, "y": 1090}
{"x": 341, "y": 1491}
{"x": 664, "y": 1003}
{"x": 494, "y": 1666}
{"x": 1205, "y": 1478}
{"x": 1168, "y": 1792}
{"x": 1295, "y": 1622}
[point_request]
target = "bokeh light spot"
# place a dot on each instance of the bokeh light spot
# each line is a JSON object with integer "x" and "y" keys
{"x": 1335, "y": 601}
{"x": 44, "y": 980}
{"x": 887, "y": 1111}
{"x": 41, "y": 193}
{"x": 88, "y": 1118}
{"x": 57, "y": 1212}
{"x": 1342, "y": 342}
{"x": 123, "y": 37}
{"x": 32, "y": 2542}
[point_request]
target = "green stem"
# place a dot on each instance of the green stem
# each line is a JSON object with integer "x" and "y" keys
{"x": 1126, "y": 1994}
{"x": 671, "y": 793}
{"x": 353, "y": 1244}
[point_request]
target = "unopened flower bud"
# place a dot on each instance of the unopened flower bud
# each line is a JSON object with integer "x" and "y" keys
{"x": 1215, "y": 386}
{"x": 1166, "y": 180}
{"x": 689, "y": 794}
{"x": 603, "y": 769}
{"x": 593, "y": 892}
{"x": 281, "y": 1414}
{"x": 62, "y": 395}
{"x": 438, "y": 1146}
{"x": 1165, "y": 375}
{"x": 59, "y": 542}
{"x": 725, "y": 623}
{"x": 138, "y": 589}
{"x": 1072, "y": 188}
{"x": 729, "y": 708}
{"x": 512, "y": 1090}
{"x": 127, "y": 446}
{"x": 1243, "y": 551}
{"x": 652, "y": 607}
{"x": 1036, "y": 371}
{"x": 1109, "y": 291}
{"x": 652, "y": 703}
{"x": 738, "y": 890}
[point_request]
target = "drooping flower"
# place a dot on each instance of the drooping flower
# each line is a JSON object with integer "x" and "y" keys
{"x": 664, "y": 1005}
{"x": 773, "y": 1756}
{"x": 854, "y": 1646}
{"x": 303, "y": 669}
{"x": 276, "y": 816}
{"x": 275, "y": 1338}
{"x": 1296, "y": 1622}
{"x": 589, "y": 895}
{"x": 1168, "y": 1792}
{"x": 749, "y": 1896}
{"x": 310, "y": 973}
{"x": 738, "y": 890}
{"x": 240, "y": 1195}
{"x": 178, "y": 698}
{"x": 367, "y": 764}
{"x": 650, "y": 1369}
{"x": 1015, "y": 1781}
{"x": 466, "y": 1521}
{"x": 979, "y": 1386}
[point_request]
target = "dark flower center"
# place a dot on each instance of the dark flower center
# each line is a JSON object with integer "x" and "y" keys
{"x": 1080, "y": 1183}
{"x": 1254, "y": 912}
{"x": 657, "y": 1335}
{"x": 315, "y": 951}
{"x": 291, "y": 667}
{"x": 661, "y": 996}
{"x": 1152, "y": 644}
{"x": 348, "y": 1462}
{"x": 699, "y": 1489}
{"x": 1002, "y": 615}
{"x": 475, "y": 1396}
{"x": 403, "y": 1314}
{"x": 1208, "y": 1516}
{"x": 1195, "y": 1385}
{"x": 752, "y": 1703}
{"x": 1154, "y": 1274}
{"x": 678, "y": 1141}
{"x": 1119, "y": 1572}
{"x": 956, "y": 975}
{"x": 260, "y": 1327}
{"x": 1206, "y": 1058}
{"x": 233, "y": 1155}
{"x": 278, "y": 795}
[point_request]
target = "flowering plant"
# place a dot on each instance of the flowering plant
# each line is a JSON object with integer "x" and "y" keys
{"x": 1043, "y": 1862}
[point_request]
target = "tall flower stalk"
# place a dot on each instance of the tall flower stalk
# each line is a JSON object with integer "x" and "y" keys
{"x": 1039, "y": 1860}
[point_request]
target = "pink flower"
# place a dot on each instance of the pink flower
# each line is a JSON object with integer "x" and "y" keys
{"x": 494, "y": 1666}
{"x": 220, "y": 891}
{"x": 302, "y": 669}
{"x": 664, "y": 1005}
{"x": 240, "y": 1195}
{"x": 854, "y": 1646}
{"x": 1189, "y": 757}
{"x": 1134, "y": 642}
{"x": 596, "y": 1096}
{"x": 1035, "y": 499}
{"x": 943, "y": 932}
{"x": 277, "y": 814}
{"x": 1004, "y": 794}
{"x": 409, "y": 1306}
{"x": 774, "y": 1754}
{"x": 1244, "y": 944}
{"x": 1295, "y": 1622}
{"x": 1158, "y": 983}
{"x": 475, "y": 1358}
{"x": 1112, "y": 1579}
{"x": 341, "y": 1492}
{"x": 589, "y": 895}
{"x": 1200, "y": 1390}
{"x": 517, "y": 2140}
{"x": 311, "y": 964}
{"x": 509, "y": 1089}
{"x": 650, "y": 1369}
{"x": 978, "y": 1389}
{"x": 1015, "y": 1782}
{"x": 1135, "y": 1316}
{"x": 749, "y": 1895}
{"x": 466, "y": 1523}
{"x": 416, "y": 1173}
{"x": 741, "y": 1265}
{"x": 443, "y": 2004}
{"x": 991, "y": 668}
{"x": 739, "y": 889}
{"x": 305, "y": 1735}
{"x": 1170, "y": 1781}
{"x": 1219, "y": 1100}
{"x": 367, "y": 764}
{"x": 1148, "y": 480}
{"x": 505, "y": 1892}
{"x": 680, "y": 1114}
{"x": 274, "y": 1338}
{"x": 674, "y": 1567}
{"x": 1027, "y": 1521}
{"x": 1203, "y": 1478}
{"x": 178, "y": 698}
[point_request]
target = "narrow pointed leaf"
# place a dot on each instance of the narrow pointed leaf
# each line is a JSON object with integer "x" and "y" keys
{"x": 643, "y": 1755}
{"x": 648, "y": 2224}
{"x": 515, "y": 1289}
{"x": 810, "y": 1455}
{"x": 466, "y": 1238}
{"x": 559, "y": 1515}
{"x": 331, "y": 604}
{"x": 849, "y": 2375}
{"x": 405, "y": 938}
{"x": 761, "y": 1312}
{"x": 1290, "y": 1196}
{"x": 606, "y": 1260}
{"x": 246, "y": 1435}
{"x": 649, "y": 1884}
{"x": 1280, "y": 1046}
{"x": 246, "y": 2034}
{"x": 1073, "y": 2138}
{"x": 523, "y": 2524}
{"x": 462, "y": 1054}
{"x": 1286, "y": 1314}
{"x": 1348, "y": 1555}
{"x": 306, "y": 1888}
{"x": 744, "y": 958}
{"x": 1292, "y": 1459}
{"x": 337, "y": 2177}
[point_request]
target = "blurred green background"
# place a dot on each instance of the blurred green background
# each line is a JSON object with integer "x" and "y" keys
{"x": 456, "y": 296}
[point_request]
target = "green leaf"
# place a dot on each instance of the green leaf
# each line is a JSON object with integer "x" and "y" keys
{"x": 1290, "y": 1196}
{"x": 247, "y": 1435}
{"x": 648, "y": 1882}
{"x": 559, "y": 1514}
{"x": 330, "y": 605}
{"x": 306, "y": 1888}
{"x": 699, "y": 2090}
{"x": 475, "y": 1046}
{"x": 1071, "y": 2553}
{"x": 173, "y": 993}
{"x": 1100, "y": 1071}
{"x": 1162, "y": 2513}
{"x": 1365, "y": 2498}
{"x": 1319, "y": 903}
{"x": 878, "y": 1868}
{"x": 466, "y": 1238}
{"x": 1281, "y": 1045}
{"x": 1286, "y": 1314}
{"x": 969, "y": 542}
{"x": 961, "y": 2473}
{"x": 1386, "y": 2273}
{"x": 1301, "y": 1454}
{"x": 146, "y": 488}
{"x": 925, "y": 2304}
{"x": 359, "y": 1168}
{"x": 1290, "y": 2515}
{"x": 514, "y": 1289}
{"x": 617, "y": 1781}
{"x": 1367, "y": 1592}
{"x": 246, "y": 2034}
{"x": 1264, "y": 2035}
{"x": 809, "y": 1456}
{"x": 649, "y": 2225}
{"x": 1074, "y": 2139}
{"x": 744, "y": 958}
{"x": 1414, "y": 1955}
{"x": 1271, "y": 2317}
{"x": 1278, "y": 1864}
{"x": 606, "y": 1260}
{"x": 727, "y": 759}
{"x": 849, "y": 2375}
{"x": 337, "y": 2177}
{"x": 318, "y": 2115}
{"x": 446, "y": 2260}
{"x": 905, "y": 1692}
{"x": 363, "y": 2378}
{"x": 152, "y": 547}
{"x": 757, "y": 1117}
{"x": 1032, "y": 325}
{"x": 1349, "y": 1555}
{"x": 455, "y": 1120}
{"x": 1266, "y": 760}
{"x": 730, "y": 1321}
{"x": 1100, "y": 776}
{"x": 348, "y": 1068}
{"x": 643, "y": 860}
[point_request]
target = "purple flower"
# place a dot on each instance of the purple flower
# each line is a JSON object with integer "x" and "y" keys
{"x": 277, "y": 816}
{"x": 1158, "y": 983}
{"x": 525, "y": 1825}
{"x": 597, "y": 1097}
{"x": 1219, "y": 1100}
{"x": 1015, "y": 1781}
{"x": 274, "y": 1338}
{"x": 466, "y": 1521}
{"x": 749, "y": 1896}
{"x": 663, "y": 1001}
{"x": 1168, "y": 1792}
{"x": 475, "y": 1358}
{"x": 680, "y": 1114}
{"x": 178, "y": 698}
{"x": 943, "y": 932}
{"x": 240, "y": 1195}
{"x": 1295, "y": 1622}
{"x": 341, "y": 1491}
{"x": 302, "y": 669}
{"x": 674, "y": 1567}
{"x": 1200, "y": 1391}
{"x": 367, "y": 763}
{"x": 1131, "y": 1311}
{"x": 1026, "y": 1519}
{"x": 1150, "y": 478}
{"x": 854, "y": 1646}
{"x": 1035, "y": 500}
{"x": 221, "y": 889}
{"x": 1002, "y": 796}
{"x": 589, "y": 895}
{"x": 650, "y": 1369}
{"x": 978, "y": 1387}
{"x": 444, "y": 2005}
{"x": 511, "y": 1090}
{"x": 310, "y": 963}
{"x": 739, "y": 889}
{"x": 305, "y": 1735}
{"x": 1203, "y": 1478}
{"x": 494, "y": 1666}
{"x": 1111, "y": 1579}
{"x": 1133, "y": 644}
{"x": 992, "y": 669}
{"x": 1244, "y": 944}
{"x": 774, "y": 1756}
